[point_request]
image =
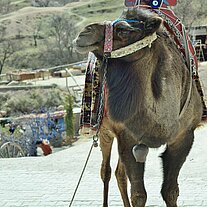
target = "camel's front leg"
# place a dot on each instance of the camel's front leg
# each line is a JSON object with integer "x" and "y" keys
{"x": 106, "y": 141}
{"x": 134, "y": 170}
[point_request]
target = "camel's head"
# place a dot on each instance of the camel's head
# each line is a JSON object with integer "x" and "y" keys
{"x": 132, "y": 26}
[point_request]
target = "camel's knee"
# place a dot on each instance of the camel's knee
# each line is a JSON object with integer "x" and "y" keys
{"x": 121, "y": 178}
{"x": 170, "y": 195}
{"x": 138, "y": 199}
{"x": 138, "y": 193}
{"x": 121, "y": 174}
{"x": 105, "y": 173}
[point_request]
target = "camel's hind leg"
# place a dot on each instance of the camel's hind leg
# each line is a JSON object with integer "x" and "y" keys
{"x": 173, "y": 159}
{"x": 122, "y": 183}
{"x": 106, "y": 141}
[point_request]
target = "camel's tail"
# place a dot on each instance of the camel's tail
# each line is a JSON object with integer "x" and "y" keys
{"x": 204, "y": 117}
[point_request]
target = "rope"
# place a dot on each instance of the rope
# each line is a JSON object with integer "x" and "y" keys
{"x": 81, "y": 175}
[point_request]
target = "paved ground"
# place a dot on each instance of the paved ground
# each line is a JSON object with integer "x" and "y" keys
{"x": 50, "y": 181}
{"x": 60, "y": 81}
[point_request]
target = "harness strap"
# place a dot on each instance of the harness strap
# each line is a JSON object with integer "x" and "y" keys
{"x": 132, "y": 48}
{"x": 108, "y": 43}
{"x": 126, "y": 20}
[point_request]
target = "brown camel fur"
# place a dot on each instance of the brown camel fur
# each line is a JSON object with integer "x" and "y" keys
{"x": 146, "y": 93}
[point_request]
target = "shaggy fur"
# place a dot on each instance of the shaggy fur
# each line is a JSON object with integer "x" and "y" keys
{"x": 146, "y": 94}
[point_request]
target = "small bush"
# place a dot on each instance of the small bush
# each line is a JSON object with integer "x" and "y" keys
{"x": 24, "y": 102}
{"x": 69, "y": 119}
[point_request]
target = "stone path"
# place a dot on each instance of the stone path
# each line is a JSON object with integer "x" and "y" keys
{"x": 50, "y": 181}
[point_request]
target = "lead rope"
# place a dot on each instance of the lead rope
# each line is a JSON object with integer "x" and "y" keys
{"x": 107, "y": 52}
{"x": 71, "y": 202}
{"x": 98, "y": 126}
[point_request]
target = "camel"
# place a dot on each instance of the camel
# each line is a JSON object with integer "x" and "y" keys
{"x": 147, "y": 101}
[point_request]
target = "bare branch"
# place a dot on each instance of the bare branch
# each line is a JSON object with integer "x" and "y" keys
{"x": 41, "y": 3}
{"x": 5, "y": 6}
{"x": 7, "y": 48}
{"x": 190, "y": 10}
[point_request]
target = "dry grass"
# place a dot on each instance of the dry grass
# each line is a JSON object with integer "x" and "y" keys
{"x": 25, "y": 19}
{"x": 22, "y": 24}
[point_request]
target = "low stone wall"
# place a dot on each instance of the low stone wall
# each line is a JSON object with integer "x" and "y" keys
{"x": 27, "y": 87}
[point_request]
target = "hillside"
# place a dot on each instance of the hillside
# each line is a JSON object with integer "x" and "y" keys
{"x": 87, "y": 11}
{"x": 41, "y": 36}
{"x": 30, "y": 29}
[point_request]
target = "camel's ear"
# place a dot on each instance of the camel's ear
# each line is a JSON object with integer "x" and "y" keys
{"x": 152, "y": 25}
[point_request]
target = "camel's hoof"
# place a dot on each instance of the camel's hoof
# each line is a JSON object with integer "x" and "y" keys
{"x": 140, "y": 152}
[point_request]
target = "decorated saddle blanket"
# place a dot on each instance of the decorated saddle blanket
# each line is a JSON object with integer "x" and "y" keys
{"x": 90, "y": 99}
{"x": 174, "y": 28}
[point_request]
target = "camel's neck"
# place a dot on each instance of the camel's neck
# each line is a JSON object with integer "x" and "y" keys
{"x": 127, "y": 83}
{"x": 135, "y": 82}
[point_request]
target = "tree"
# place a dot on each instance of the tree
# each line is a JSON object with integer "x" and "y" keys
{"x": 5, "y": 6}
{"x": 7, "y": 48}
{"x": 36, "y": 33}
{"x": 59, "y": 45}
{"x": 47, "y": 3}
{"x": 64, "y": 32}
{"x": 41, "y": 3}
{"x": 35, "y": 29}
{"x": 190, "y": 10}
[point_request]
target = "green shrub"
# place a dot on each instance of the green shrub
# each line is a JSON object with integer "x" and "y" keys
{"x": 24, "y": 102}
{"x": 69, "y": 119}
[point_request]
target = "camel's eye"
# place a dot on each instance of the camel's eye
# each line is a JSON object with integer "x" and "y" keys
{"x": 88, "y": 29}
{"x": 122, "y": 32}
